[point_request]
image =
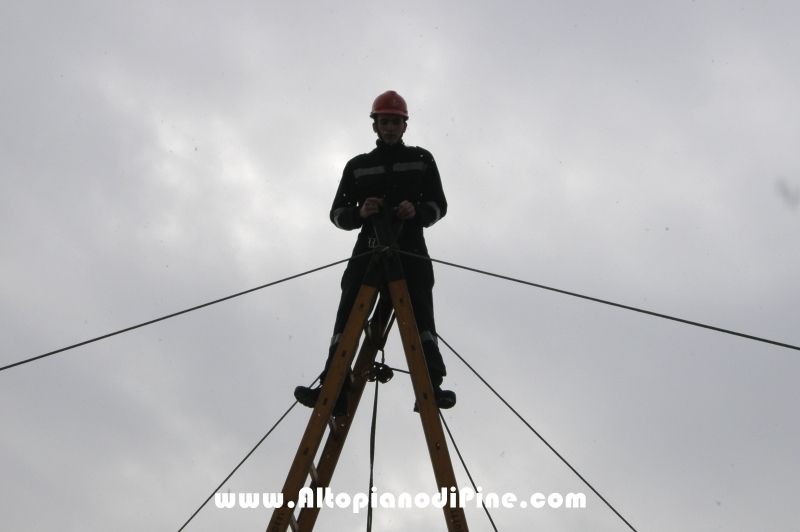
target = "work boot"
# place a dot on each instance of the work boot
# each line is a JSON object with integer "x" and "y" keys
{"x": 444, "y": 398}
{"x": 308, "y": 397}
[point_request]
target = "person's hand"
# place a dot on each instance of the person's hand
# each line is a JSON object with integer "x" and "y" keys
{"x": 406, "y": 210}
{"x": 371, "y": 206}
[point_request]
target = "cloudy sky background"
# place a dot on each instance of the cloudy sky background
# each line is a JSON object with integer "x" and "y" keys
{"x": 155, "y": 156}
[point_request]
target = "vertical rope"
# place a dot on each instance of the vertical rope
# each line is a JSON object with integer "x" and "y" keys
{"x": 372, "y": 450}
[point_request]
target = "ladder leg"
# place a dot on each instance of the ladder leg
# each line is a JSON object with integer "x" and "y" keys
{"x": 315, "y": 429}
{"x": 428, "y": 411}
{"x": 376, "y": 332}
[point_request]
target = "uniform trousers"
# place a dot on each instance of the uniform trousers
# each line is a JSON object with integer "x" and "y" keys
{"x": 419, "y": 279}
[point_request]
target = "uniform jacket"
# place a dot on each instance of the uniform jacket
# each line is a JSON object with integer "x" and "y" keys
{"x": 395, "y": 173}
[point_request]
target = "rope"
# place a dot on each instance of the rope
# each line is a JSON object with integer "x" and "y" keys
{"x": 604, "y": 302}
{"x": 485, "y": 509}
{"x": 372, "y": 449}
{"x": 240, "y": 463}
{"x": 181, "y": 312}
{"x": 537, "y": 434}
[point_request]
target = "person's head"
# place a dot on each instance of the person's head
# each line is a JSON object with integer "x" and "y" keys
{"x": 389, "y": 115}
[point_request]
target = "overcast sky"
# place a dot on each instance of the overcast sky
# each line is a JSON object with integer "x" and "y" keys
{"x": 158, "y": 155}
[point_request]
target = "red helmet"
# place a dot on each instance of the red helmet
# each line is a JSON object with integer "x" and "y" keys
{"x": 389, "y": 103}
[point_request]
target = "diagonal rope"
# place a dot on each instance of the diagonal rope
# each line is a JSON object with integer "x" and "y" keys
{"x": 537, "y": 434}
{"x": 182, "y": 312}
{"x": 464, "y": 464}
{"x": 240, "y": 464}
{"x": 604, "y": 302}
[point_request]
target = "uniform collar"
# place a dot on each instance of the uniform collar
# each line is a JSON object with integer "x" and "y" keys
{"x": 382, "y": 146}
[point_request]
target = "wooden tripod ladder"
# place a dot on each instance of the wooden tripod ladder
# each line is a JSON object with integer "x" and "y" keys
{"x": 384, "y": 268}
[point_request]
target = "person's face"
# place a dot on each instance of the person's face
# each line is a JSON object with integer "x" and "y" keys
{"x": 390, "y": 128}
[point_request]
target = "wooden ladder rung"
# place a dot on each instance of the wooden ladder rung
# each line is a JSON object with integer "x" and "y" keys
{"x": 312, "y": 472}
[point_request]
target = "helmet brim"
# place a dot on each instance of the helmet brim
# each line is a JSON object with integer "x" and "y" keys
{"x": 389, "y": 111}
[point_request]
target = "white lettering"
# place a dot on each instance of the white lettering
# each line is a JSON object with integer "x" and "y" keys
{"x": 248, "y": 500}
{"x": 576, "y": 500}
{"x": 359, "y": 501}
{"x": 342, "y": 500}
{"x": 439, "y": 499}
{"x": 308, "y": 498}
{"x": 305, "y": 499}
{"x": 225, "y": 500}
{"x": 328, "y": 498}
{"x": 273, "y": 500}
{"x": 537, "y": 500}
{"x": 387, "y": 500}
{"x": 492, "y": 500}
{"x": 465, "y": 495}
{"x": 422, "y": 500}
{"x": 508, "y": 500}
{"x": 320, "y": 496}
{"x": 555, "y": 500}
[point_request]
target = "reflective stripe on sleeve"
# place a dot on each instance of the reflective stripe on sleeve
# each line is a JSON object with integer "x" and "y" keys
{"x": 436, "y": 210}
{"x": 336, "y": 214}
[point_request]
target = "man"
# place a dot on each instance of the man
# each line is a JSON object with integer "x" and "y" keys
{"x": 404, "y": 179}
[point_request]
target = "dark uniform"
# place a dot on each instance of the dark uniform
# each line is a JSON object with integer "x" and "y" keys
{"x": 395, "y": 173}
